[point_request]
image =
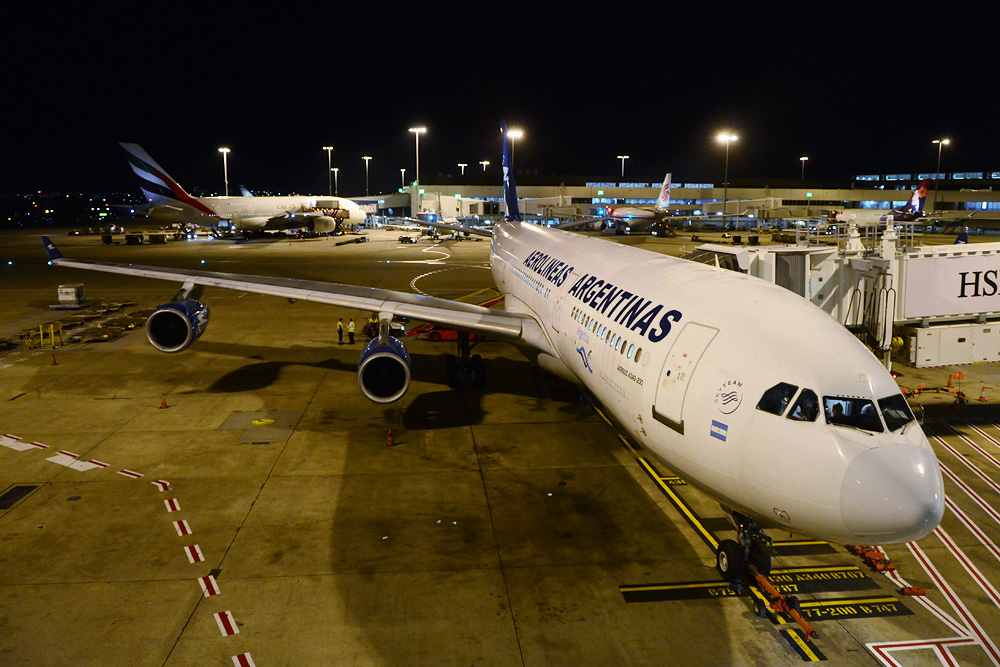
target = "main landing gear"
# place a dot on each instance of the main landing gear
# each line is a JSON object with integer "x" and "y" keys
{"x": 465, "y": 370}
{"x": 752, "y": 547}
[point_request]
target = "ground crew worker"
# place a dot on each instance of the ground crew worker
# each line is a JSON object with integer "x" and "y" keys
{"x": 340, "y": 331}
{"x": 350, "y": 331}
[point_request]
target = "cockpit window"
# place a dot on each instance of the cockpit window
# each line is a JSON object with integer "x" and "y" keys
{"x": 776, "y": 399}
{"x": 806, "y": 408}
{"x": 856, "y": 412}
{"x": 895, "y": 410}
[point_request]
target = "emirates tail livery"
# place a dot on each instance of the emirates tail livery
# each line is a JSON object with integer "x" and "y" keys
{"x": 167, "y": 201}
{"x": 744, "y": 389}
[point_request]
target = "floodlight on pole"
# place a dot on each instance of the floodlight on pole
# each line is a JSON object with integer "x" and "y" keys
{"x": 725, "y": 138}
{"x": 328, "y": 150}
{"x": 485, "y": 164}
{"x": 336, "y": 180}
{"x": 462, "y": 166}
{"x": 803, "y": 160}
{"x": 366, "y": 158}
{"x": 417, "y": 131}
{"x": 225, "y": 167}
{"x": 623, "y": 158}
{"x": 941, "y": 143}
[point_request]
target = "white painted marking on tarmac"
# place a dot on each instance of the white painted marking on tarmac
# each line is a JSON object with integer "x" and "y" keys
{"x": 162, "y": 485}
{"x": 130, "y": 473}
{"x": 209, "y": 586}
{"x": 227, "y": 624}
{"x": 172, "y": 505}
{"x": 243, "y": 660}
{"x": 15, "y": 443}
{"x": 182, "y": 527}
{"x": 194, "y": 554}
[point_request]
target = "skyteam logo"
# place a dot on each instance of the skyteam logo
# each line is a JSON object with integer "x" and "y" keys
{"x": 729, "y": 397}
{"x": 585, "y": 357}
{"x": 719, "y": 430}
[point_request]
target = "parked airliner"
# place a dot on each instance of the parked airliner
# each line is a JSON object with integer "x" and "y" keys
{"x": 742, "y": 388}
{"x": 911, "y": 211}
{"x": 168, "y": 202}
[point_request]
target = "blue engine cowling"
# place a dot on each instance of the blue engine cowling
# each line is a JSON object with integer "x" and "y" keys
{"x": 384, "y": 370}
{"x": 175, "y": 326}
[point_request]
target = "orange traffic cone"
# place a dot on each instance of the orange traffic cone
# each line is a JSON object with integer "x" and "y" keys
{"x": 163, "y": 402}
{"x": 921, "y": 386}
{"x": 390, "y": 441}
{"x": 982, "y": 394}
{"x": 54, "y": 362}
{"x": 950, "y": 383}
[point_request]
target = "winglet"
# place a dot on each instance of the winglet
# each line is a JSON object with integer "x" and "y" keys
{"x": 51, "y": 249}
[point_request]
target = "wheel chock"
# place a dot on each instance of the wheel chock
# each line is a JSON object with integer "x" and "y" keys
{"x": 913, "y": 590}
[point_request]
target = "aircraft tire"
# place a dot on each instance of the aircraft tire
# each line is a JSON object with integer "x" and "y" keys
{"x": 452, "y": 374}
{"x": 478, "y": 372}
{"x": 729, "y": 560}
{"x": 759, "y": 557}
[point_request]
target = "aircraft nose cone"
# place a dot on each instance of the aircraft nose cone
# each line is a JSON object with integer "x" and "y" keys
{"x": 892, "y": 494}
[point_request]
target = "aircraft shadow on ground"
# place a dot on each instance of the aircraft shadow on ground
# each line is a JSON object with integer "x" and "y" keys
{"x": 428, "y": 410}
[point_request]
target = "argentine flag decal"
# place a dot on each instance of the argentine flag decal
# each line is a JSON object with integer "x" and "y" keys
{"x": 719, "y": 430}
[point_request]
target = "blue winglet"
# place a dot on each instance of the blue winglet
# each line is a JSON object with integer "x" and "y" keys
{"x": 51, "y": 249}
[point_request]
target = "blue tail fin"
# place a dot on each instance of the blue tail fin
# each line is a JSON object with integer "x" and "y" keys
{"x": 917, "y": 199}
{"x": 509, "y": 189}
{"x": 963, "y": 237}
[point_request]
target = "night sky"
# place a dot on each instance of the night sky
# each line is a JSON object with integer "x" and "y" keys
{"x": 856, "y": 92}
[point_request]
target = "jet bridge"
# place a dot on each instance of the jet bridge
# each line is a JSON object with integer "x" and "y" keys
{"x": 919, "y": 305}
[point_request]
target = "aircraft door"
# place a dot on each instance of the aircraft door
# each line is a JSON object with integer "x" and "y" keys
{"x": 676, "y": 373}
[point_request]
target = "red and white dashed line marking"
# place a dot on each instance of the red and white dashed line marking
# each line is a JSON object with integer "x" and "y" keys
{"x": 209, "y": 586}
{"x": 194, "y": 554}
{"x": 172, "y": 505}
{"x": 162, "y": 485}
{"x": 130, "y": 473}
{"x": 19, "y": 445}
{"x": 182, "y": 528}
{"x": 227, "y": 624}
{"x": 243, "y": 660}
{"x": 883, "y": 650}
{"x": 97, "y": 463}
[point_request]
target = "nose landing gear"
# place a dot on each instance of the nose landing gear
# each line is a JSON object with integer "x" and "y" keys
{"x": 752, "y": 547}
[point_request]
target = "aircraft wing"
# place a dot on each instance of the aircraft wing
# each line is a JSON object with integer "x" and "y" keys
{"x": 509, "y": 327}
{"x": 451, "y": 226}
{"x": 573, "y": 224}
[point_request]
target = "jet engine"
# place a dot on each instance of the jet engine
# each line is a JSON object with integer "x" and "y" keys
{"x": 175, "y": 326}
{"x": 324, "y": 224}
{"x": 384, "y": 370}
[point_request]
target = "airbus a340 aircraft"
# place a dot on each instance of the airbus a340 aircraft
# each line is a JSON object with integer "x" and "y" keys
{"x": 168, "y": 202}
{"x": 742, "y": 388}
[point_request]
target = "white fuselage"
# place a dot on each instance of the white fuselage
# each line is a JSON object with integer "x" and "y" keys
{"x": 264, "y": 213}
{"x": 681, "y": 354}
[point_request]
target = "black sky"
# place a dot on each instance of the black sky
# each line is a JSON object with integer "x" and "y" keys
{"x": 856, "y": 91}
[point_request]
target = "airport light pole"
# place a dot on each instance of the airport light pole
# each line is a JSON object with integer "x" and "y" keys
{"x": 803, "y": 160}
{"x": 328, "y": 150}
{"x": 514, "y": 133}
{"x": 402, "y": 177}
{"x": 726, "y": 138}
{"x": 941, "y": 143}
{"x": 225, "y": 167}
{"x": 462, "y": 166}
{"x": 336, "y": 180}
{"x": 485, "y": 164}
{"x": 417, "y": 131}
{"x": 366, "y": 158}
{"x": 623, "y": 158}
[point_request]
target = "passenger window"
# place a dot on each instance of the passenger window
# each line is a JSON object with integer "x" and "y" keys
{"x": 806, "y": 408}
{"x": 857, "y": 412}
{"x": 895, "y": 410}
{"x": 776, "y": 399}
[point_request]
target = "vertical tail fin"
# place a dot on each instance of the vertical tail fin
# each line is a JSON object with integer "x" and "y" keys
{"x": 963, "y": 237}
{"x": 509, "y": 188}
{"x": 917, "y": 199}
{"x": 157, "y": 186}
{"x": 663, "y": 201}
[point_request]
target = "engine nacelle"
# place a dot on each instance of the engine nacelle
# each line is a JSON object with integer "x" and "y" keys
{"x": 384, "y": 370}
{"x": 175, "y": 326}
{"x": 324, "y": 224}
